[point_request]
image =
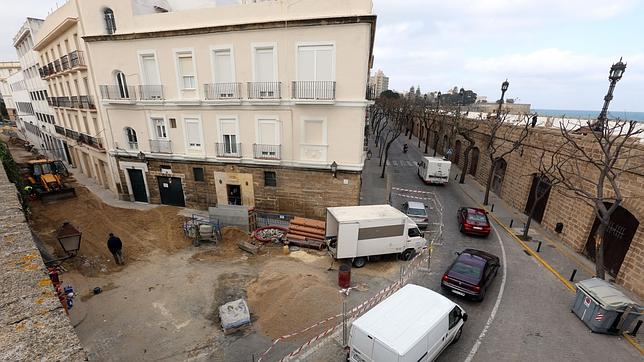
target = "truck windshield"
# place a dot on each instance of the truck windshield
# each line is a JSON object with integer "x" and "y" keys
{"x": 413, "y": 232}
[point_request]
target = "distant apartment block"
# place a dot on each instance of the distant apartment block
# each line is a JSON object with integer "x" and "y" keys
{"x": 64, "y": 67}
{"x": 36, "y": 119}
{"x": 379, "y": 82}
{"x": 7, "y": 69}
{"x": 245, "y": 104}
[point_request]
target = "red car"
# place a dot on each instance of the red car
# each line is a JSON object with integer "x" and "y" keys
{"x": 474, "y": 221}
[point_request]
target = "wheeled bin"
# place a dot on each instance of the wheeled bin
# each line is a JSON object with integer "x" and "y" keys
{"x": 603, "y": 308}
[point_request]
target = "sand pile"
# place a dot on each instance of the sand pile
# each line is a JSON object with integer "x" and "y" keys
{"x": 226, "y": 248}
{"x": 286, "y": 301}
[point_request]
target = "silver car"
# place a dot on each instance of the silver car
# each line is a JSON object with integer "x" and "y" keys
{"x": 417, "y": 211}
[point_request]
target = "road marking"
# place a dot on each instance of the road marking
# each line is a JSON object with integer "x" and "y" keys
{"x": 479, "y": 340}
{"x": 633, "y": 341}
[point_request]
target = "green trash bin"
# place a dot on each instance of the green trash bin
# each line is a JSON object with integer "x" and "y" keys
{"x": 603, "y": 308}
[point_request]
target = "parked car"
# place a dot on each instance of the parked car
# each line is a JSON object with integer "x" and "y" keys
{"x": 417, "y": 212}
{"x": 471, "y": 274}
{"x": 473, "y": 220}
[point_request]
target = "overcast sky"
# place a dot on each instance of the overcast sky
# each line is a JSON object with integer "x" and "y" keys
{"x": 555, "y": 54}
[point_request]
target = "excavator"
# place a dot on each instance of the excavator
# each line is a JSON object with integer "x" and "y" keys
{"x": 45, "y": 180}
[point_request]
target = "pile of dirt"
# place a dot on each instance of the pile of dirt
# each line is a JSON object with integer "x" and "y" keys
{"x": 226, "y": 248}
{"x": 158, "y": 229}
{"x": 286, "y": 301}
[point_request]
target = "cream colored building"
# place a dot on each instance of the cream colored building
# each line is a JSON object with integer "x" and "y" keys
{"x": 71, "y": 93}
{"x": 379, "y": 82}
{"x": 6, "y": 70}
{"x": 36, "y": 119}
{"x": 249, "y": 103}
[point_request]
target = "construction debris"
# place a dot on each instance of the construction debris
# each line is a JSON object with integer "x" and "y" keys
{"x": 249, "y": 247}
{"x": 307, "y": 233}
{"x": 234, "y": 315}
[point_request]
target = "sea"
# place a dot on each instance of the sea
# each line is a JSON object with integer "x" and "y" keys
{"x": 582, "y": 114}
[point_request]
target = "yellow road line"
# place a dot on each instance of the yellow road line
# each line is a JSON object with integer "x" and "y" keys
{"x": 632, "y": 341}
{"x": 535, "y": 255}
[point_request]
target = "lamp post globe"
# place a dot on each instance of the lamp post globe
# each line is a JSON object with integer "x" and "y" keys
{"x": 617, "y": 70}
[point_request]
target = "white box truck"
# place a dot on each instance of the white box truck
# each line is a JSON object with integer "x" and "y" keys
{"x": 413, "y": 324}
{"x": 360, "y": 232}
{"x": 434, "y": 170}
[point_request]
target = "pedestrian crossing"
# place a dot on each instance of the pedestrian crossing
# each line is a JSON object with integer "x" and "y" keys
{"x": 401, "y": 163}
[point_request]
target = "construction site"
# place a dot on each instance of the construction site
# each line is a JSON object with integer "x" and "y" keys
{"x": 164, "y": 302}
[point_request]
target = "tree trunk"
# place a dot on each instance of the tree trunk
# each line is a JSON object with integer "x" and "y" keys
{"x": 384, "y": 165}
{"x": 411, "y": 131}
{"x": 466, "y": 161}
{"x": 426, "y": 140}
{"x": 419, "y": 136}
{"x": 435, "y": 144}
{"x": 490, "y": 176}
{"x": 599, "y": 250}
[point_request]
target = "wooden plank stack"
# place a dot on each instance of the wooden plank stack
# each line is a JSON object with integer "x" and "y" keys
{"x": 306, "y": 233}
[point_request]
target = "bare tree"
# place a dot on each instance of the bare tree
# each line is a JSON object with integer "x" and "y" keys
{"x": 546, "y": 164}
{"x": 399, "y": 113}
{"x": 504, "y": 136}
{"x": 465, "y": 128}
{"x": 594, "y": 166}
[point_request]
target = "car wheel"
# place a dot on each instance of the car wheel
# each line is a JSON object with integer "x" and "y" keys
{"x": 482, "y": 295}
{"x": 407, "y": 254}
{"x": 359, "y": 262}
{"x": 458, "y": 335}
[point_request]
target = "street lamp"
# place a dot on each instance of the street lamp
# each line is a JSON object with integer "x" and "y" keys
{"x": 334, "y": 169}
{"x": 69, "y": 238}
{"x": 438, "y": 100}
{"x": 504, "y": 88}
{"x": 461, "y": 94}
{"x": 616, "y": 72}
{"x": 141, "y": 156}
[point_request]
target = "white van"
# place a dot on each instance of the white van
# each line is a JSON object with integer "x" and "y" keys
{"x": 413, "y": 324}
{"x": 434, "y": 170}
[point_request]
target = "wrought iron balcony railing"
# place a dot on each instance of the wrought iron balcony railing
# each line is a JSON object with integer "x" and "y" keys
{"x": 228, "y": 149}
{"x": 267, "y": 152}
{"x": 264, "y": 90}
{"x": 161, "y": 146}
{"x": 222, "y": 91}
{"x": 313, "y": 90}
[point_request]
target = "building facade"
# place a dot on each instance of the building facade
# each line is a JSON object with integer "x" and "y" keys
{"x": 247, "y": 104}
{"x": 6, "y": 70}
{"x": 515, "y": 179}
{"x": 70, "y": 89}
{"x": 36, "y": 119}
{"x": 379, "y": 82}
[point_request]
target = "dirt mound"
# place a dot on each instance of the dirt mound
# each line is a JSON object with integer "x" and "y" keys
{"x": 286, "y": 303}
{"x": 141, "y": 231}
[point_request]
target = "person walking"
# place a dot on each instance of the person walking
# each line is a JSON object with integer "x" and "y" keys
{"x": 116, "y": 248}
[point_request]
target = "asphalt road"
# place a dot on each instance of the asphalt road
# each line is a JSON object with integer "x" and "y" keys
{"x": 525, "y": 315}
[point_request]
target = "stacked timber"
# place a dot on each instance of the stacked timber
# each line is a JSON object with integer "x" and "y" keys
{"x": 306, "y": 233}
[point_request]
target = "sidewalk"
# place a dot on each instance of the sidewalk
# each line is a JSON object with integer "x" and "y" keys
{"x": 374, "y": 190}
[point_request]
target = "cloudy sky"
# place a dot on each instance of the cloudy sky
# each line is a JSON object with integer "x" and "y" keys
{"x": 555, "y": 54}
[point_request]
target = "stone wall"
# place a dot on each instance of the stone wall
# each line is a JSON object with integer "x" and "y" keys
{"x": 299, "y": 191}
{"x": 33, "y": 324}
{"x": 576, "y": 215}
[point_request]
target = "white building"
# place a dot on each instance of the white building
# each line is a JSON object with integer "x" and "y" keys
{"x": 6, "y": 70}
{"x": 379, "y": 82}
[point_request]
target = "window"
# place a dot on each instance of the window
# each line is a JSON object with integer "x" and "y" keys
{"x": 185, "y": 65}
{"x": 315, "y": 62}
{"x": 454, "y": 316}
{"x": 121, "y": 84}
{"x": 198, "y": 174}
{"x": 265, "y": 64}
{"x": 268, "y": 132}
{"x": 270, "y": 178}
{"x": 173, "y": 123}
{"x": 414, "y": 232}
{"x": 193, "y": 133}
{"x": 223, "y": 63}
{"x": 159, "y": 128}
{"x": 149, "y": 70}
{"x": 229, "y": 136}
{"x": 130, "y": 138}
{"x": 110, "y": 23}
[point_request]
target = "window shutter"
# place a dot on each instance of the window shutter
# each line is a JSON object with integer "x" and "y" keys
{"x": 324, "y": 63}
{"x": 223, "y": 67}
{"x": 264, "y": 65}
{"x": 193, "y": 133}
{"x": 267, "y": 132}
{"x": 306, "y": 63}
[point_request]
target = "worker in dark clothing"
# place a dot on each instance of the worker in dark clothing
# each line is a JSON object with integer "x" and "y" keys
{"x": 116, "y": 248}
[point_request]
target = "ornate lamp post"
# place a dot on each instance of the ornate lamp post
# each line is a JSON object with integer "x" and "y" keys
{"x": 616, "y": 72}
{"x": 334, "y": 169}
{"x": 504, "y": 88}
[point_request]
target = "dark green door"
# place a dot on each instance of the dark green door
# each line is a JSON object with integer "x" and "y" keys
{"x": 171, "y": 191}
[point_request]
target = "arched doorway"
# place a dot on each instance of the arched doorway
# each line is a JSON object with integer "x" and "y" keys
{"x": 619, "y": 234}
{"x": 457, "y": 151}
{"x": 474, "y": 162}
{"x": 500, "y": 165}
{"x": 539, "y": 192}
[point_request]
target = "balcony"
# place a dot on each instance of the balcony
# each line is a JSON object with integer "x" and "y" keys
{"x": 57, "y": 66}
{"x": 371, "y": 93}
{"x": 151, "y": 92}
{"x": 314, "y": 90}
{"x": 267, "y": 152}
{"x": 264, "y": 90}
{"x": 228, "y": 150}
{"x": 76, "y": 59}
{"x": 64, "y": 62}
{"x": 116, "y": 93}
{"x": 222, "y": 91}
{"x": 63, "y": 102}
{"x": 160, "y": 146}
{"x": 87, "y": 102}
{"x": 90, "y": 141}
{"x": 71, "y": 134}
{"x": 59, "y": 130}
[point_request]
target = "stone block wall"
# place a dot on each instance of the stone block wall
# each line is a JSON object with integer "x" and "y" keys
{"x": 33, "y": 324}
